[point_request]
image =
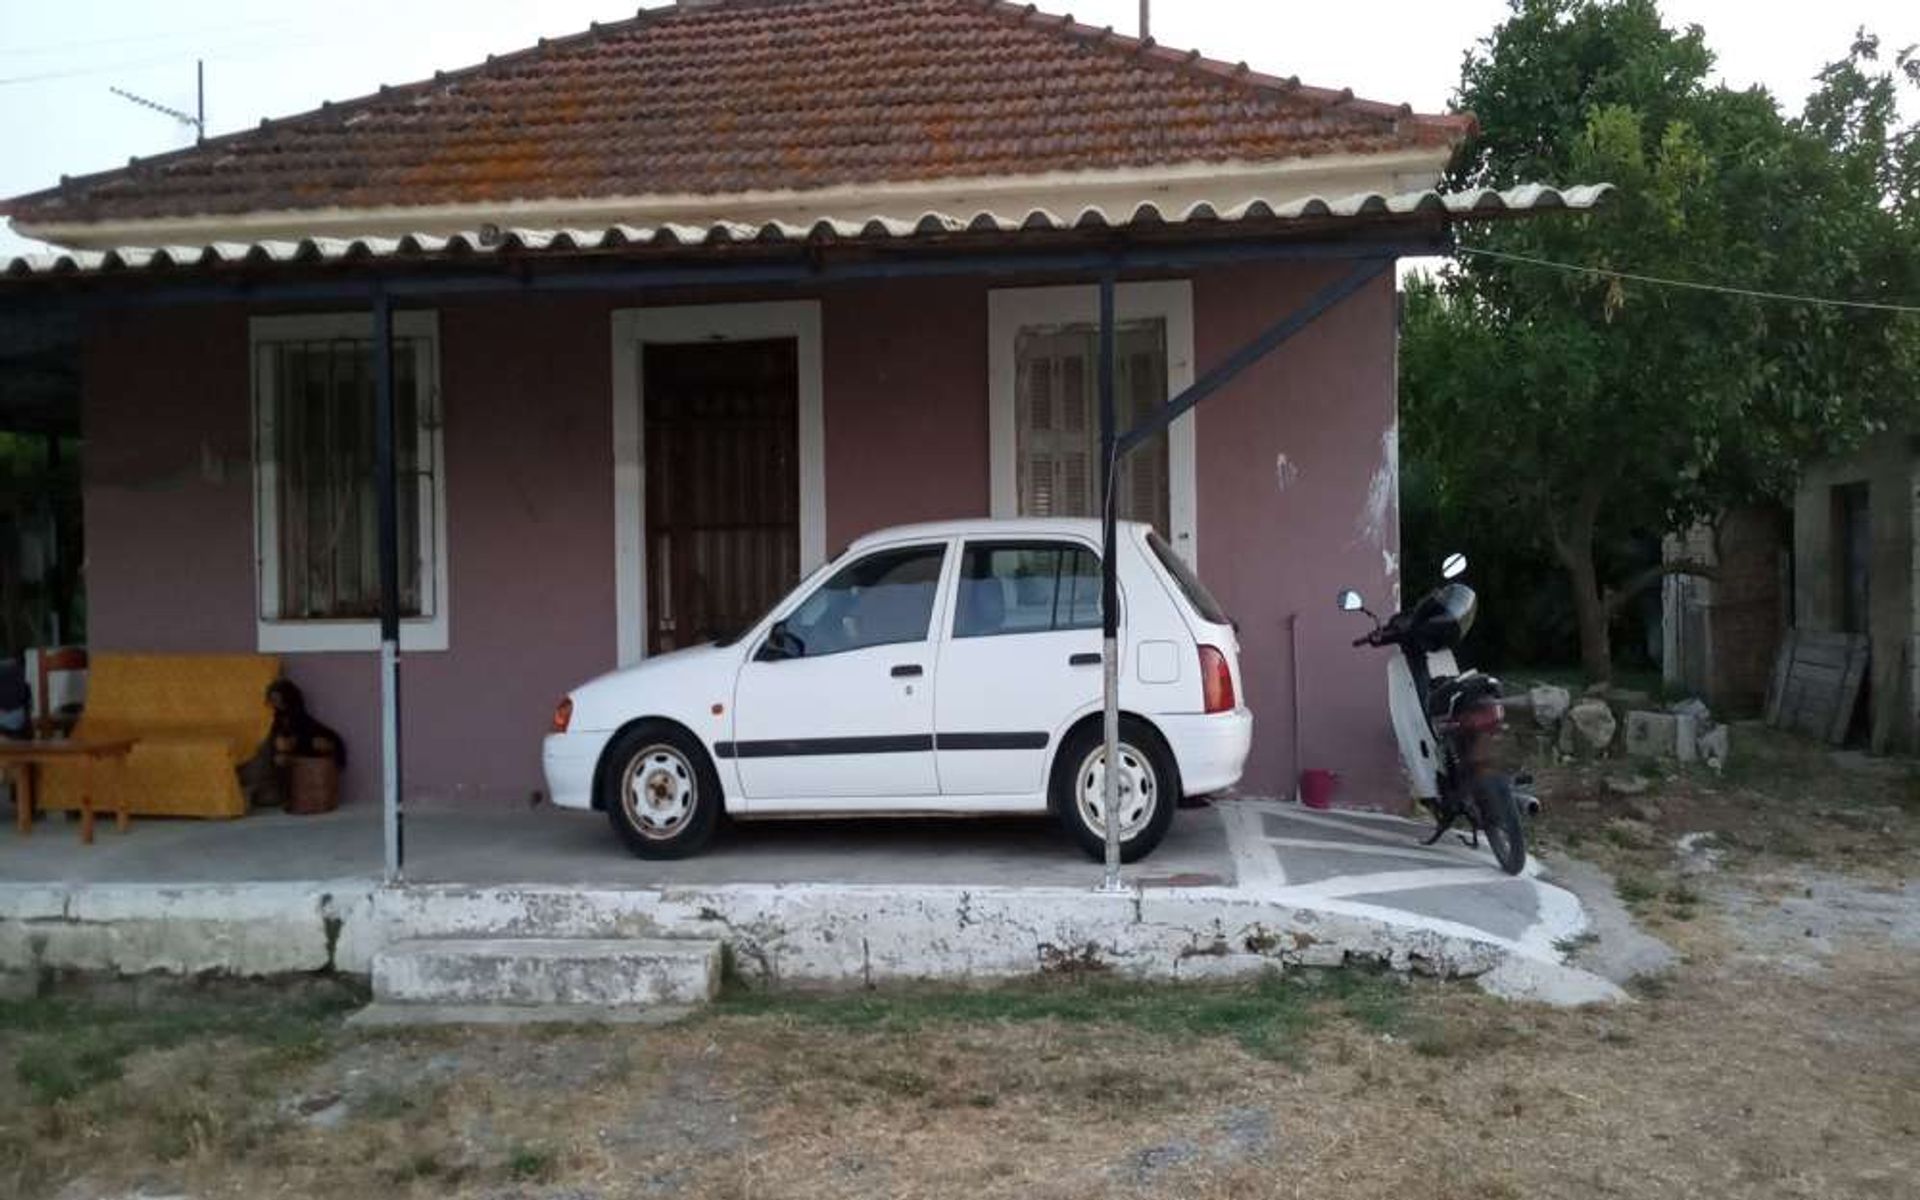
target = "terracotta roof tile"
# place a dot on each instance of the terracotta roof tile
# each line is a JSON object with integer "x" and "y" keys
{"x": 749, "y": 95}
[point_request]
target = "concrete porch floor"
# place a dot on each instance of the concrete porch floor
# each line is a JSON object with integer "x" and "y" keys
{"x": 557, "y": 846}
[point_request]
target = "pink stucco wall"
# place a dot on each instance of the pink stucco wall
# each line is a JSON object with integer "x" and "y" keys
{"x": 1279, "y": 537}
{"x": 527, "y": 385}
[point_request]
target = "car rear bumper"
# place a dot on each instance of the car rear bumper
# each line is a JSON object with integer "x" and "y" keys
{"x": 568, "y": 761}
{"x": 1211, "y": 749}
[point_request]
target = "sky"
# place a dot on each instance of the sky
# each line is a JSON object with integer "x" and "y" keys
{"x": 58, "y": 61}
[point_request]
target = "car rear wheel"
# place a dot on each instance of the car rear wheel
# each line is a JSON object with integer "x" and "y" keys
{"x": 660, "y": 791}
{"x": 1149, "y": 788}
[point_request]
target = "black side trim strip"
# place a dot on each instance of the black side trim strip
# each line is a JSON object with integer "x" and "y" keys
{"x": 894, "y": 744}
{"x": 990, "y": 741}
{"x": 803, "y": 747}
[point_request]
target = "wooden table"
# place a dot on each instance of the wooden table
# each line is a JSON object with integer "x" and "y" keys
{"x": 18, "y": 759}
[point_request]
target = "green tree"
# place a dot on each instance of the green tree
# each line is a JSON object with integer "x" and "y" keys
{"x": 1574, "y": 410}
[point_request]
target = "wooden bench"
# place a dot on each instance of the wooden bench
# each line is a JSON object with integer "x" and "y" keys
{"x": 193, "y": 719}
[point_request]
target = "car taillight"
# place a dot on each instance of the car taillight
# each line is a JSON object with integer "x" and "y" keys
{"x": 563, "y": 715}
{"x": 1216, "y": 680}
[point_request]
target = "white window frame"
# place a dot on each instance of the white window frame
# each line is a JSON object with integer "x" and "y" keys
{"x": 633, "y": 330}
{"x": 1010, "y": 310}
{"x": 273, "y": 634}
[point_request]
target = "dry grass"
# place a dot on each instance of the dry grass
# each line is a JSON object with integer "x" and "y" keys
{"x": 1747, "y": 1072}
{"x": 1726, "y": 1084}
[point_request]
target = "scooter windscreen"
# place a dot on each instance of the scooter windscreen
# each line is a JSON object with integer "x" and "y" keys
{"x": 1444, "y": 618}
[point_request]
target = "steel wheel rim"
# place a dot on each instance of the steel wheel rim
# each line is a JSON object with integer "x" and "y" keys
{"x": 1139, "y": 791}
{"x": 658, "y": 792}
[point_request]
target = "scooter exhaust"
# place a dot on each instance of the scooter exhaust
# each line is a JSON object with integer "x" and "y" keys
{"x": 1529, "y": 803}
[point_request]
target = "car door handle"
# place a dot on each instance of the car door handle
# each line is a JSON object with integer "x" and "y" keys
{"x": 907, "y": 671}
{"x": 1084, "y": 660}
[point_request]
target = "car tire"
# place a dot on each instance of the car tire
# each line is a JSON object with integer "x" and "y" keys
{"x": 1076, "y": 777}
{"x": 660, "y": 791}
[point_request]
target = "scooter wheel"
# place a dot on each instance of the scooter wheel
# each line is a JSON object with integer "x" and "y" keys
{"x": 1500, "y": 821}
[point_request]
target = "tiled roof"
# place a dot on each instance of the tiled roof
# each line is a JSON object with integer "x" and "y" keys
{"x": 758, "y": 95}
{"x": 1252, "y": 216}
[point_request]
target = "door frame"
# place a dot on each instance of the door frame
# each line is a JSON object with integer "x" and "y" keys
{"x": 633, "y": 329}
{"x": 1168, "y": 300}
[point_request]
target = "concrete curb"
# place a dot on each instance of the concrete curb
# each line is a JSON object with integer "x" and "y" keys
{"x": 801, "y": 935}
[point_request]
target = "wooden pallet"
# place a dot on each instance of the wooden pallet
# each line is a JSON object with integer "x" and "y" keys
{"x": 1816, "y": 683}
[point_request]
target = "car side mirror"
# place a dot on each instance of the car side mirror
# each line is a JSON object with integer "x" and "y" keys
{"x": 1454, "y": 566}
{"x": 1350, "y": 601}
{"x": 781, "y": 644}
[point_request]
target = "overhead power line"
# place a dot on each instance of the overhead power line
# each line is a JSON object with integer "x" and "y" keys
{"x": 1688, "y": 284}
{"x": 147, "y": 38}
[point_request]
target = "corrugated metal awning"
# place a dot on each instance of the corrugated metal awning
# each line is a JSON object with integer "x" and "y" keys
{"x": 1252, "y": 218}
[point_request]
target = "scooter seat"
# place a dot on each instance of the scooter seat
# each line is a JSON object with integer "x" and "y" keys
{"x": 1449, "y": 691}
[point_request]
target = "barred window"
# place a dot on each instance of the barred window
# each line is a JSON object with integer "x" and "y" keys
{"x": 318, "y": 500}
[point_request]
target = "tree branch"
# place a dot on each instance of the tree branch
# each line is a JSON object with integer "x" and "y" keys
{"x": 1615, "y": 599}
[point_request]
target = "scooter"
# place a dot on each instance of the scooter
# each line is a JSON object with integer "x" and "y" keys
{"x": 1445, "y": 719}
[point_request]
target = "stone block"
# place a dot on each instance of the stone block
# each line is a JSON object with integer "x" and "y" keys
{"x": 1693, "y": 707}
{"x": 1651, "y": 734}
{"x": 1588, "y": 730}
{"x": 1714, "y": 746}
{"x": 1549, "y": 704}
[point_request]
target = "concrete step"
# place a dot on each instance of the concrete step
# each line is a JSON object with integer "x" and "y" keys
{"x": 575, "y": 973}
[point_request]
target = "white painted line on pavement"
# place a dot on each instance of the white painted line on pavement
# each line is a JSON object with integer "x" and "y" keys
{"x": 1351, "y": 829}
{"x": 1402, "y": 918}
{"x": 1392, "y": 881}
{"x": 1255, "y": 865}
{"x": 1463, "y": 856}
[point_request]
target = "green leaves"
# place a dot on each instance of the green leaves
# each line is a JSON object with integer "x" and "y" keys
{"x": 1530, "y": 390}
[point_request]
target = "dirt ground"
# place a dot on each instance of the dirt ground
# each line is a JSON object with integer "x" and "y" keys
{"x": 1780, "y": 1057}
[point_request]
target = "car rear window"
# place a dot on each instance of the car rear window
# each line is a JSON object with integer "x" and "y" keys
{"x": 1204, "y": 605}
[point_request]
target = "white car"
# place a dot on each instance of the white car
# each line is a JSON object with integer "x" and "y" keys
{"x": 949, "y": 668}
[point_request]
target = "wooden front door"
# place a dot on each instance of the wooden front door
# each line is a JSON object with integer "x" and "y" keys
{"x": 721, "y": 430}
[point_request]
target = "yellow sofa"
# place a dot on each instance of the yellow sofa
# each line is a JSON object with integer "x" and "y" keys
{"x": 194, "y": 718}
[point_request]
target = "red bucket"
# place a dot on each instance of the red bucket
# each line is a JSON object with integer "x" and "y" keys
{"x": 1317, "y": 788}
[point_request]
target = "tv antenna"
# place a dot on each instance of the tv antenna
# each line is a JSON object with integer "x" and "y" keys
{"x": 197, "y": 119}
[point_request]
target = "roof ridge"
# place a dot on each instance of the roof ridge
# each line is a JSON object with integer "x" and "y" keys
{"x": 1148, "y": 49}
{"x": 198, "y": 173}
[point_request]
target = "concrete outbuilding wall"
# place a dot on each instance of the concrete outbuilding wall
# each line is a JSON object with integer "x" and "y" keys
{"x": 1887, "y": 466}
{"x": 1720, "y": 635}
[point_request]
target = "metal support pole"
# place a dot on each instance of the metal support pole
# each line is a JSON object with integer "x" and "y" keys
{"x": 385, "y": 415}
{"x": 1109, "y": 594}
{"x": 56, "y": 582}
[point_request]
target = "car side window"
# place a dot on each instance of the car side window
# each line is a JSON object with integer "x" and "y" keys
{"x": 879, "y": 600}
{"x": 1026, "y": 587}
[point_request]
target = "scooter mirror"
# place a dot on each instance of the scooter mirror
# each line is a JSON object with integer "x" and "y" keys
{"x": 1350, "y": 601}
{"x": 1454, "y": 566}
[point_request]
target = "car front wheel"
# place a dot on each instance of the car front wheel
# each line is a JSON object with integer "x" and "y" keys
{"x": 660, "y": 791}
{"x": 1149, "y": 789}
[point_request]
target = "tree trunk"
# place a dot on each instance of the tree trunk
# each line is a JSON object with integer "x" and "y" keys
{"x": 1591, "y": 614}
{"x": 1572, "y": 538}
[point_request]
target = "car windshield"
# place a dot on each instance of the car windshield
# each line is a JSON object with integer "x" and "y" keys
{"x": 1196, "y": 592}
